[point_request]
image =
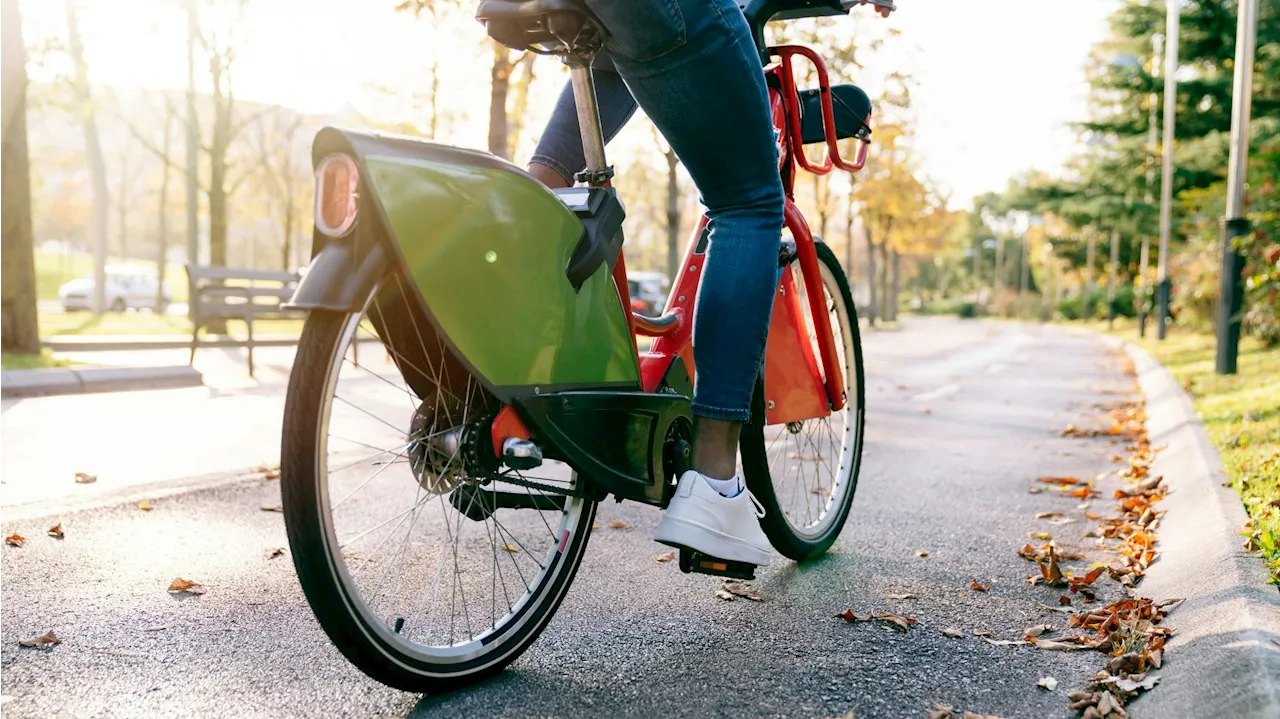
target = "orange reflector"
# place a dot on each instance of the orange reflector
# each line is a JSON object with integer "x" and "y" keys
{"x": 337, "y": 195}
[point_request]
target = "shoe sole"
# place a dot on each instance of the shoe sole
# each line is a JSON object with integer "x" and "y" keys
{"x": 702, "y": 538}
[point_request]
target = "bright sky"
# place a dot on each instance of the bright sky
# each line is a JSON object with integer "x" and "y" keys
{"x": 999, "y": 80}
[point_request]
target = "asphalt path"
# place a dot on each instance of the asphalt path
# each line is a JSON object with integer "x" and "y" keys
{"x": 963, "y": 416}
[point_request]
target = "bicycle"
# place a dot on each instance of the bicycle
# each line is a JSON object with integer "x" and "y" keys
{"x": 512, "y": 397}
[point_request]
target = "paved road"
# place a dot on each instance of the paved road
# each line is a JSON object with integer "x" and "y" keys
{"x": 963, "y": 416}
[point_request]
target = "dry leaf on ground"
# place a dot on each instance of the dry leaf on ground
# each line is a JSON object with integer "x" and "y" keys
{"x": 47, "y": 639}
{"x": 144, "y": 505}
{"x": 1047, "y": 683}
{"x": 722, "y": 594}
{"x": 978, "y": 586}
{"x": 1062, "y": 481}
{"x": 1036, "y": 631}
{"x": 1044, "y": 536}
{"x": 275, "y": 508}
{"x": 953, "y": 633}
{"x": 56, "y": 531}
{"x": 511, "y": 548}
{"x": 271, "y": 474}
{"x": 619, "y": 524}
{"x": 15, "y": 540}
{"x": 1046, "y": 515}
{"x": 664, "y": 557}
{"x": 85, "y": 478}
{"x": 897, "y": 621}
{"x": 922, "y": 553}
{"x": 276, "y": 552}
{"x": 186, "y": 585}
{"x": 734, "y": 586}
{"x": 1051, "y": 645}
{"x": 899, "y": 596}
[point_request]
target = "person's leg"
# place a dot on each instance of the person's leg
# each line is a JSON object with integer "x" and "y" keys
{"x": 694, "y": 69}
{"x": 559, "y": 155}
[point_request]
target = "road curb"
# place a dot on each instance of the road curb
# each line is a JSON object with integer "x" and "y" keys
{"x": 1224, "y": 656}
{"x": 45, "y": 382}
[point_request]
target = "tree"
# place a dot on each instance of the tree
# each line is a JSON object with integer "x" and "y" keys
{"x": 93, "y": 154}
{"x": 20, "y": 330}
{"x": 285, "y": 177}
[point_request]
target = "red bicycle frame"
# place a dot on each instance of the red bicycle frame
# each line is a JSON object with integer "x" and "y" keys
{"x": 799, "y": 384}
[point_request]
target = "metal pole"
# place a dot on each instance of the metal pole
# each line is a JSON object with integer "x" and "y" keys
{"x": 1111, "y": 279}
{"x": 1172, "y": 16}
{"x": 1153, "y": 143}
{"x": 1231, "y": 291}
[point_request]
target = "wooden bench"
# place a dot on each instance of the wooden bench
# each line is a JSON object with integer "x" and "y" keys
{"x": 224, "y": 293}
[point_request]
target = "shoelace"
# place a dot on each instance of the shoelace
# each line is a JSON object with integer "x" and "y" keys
{"x": 759, "y": 507}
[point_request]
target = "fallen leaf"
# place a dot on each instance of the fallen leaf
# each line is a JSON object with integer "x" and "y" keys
{"x": 47, "y": 639}
{"x": 271, "y": 474}
{"x": 1050, "y": 645}
{"x": 1045, "y": 536}
{"x": 144, "y": 505}
{"x": 1060, "y": 610}
{"x": 15, "y": 540}
{"x": 1064, "y": 600}
{"x": 664, "y": 557}
{"x": 184, "y": 585}
{"x": 275, "y": 508}
{"x": 941, "y": 711}
{"x": 1061, "y": 481}
{"x": 849, "y": 616}
{"x": 982, "y": 633}
{"x": 276, "y": 552}
{"x": 56, "y": 531}
{"x": 85, "y": 478}
{"x": 742, "y": 590}
{"x": 897, "y": 620}
{"x": 1035, "y": 490}
{"x": 1036, "y": 631}
{"x": 978, "y": 587}
{"x": 1049, "y": 569}
{"x": 1004, "y": 642}
{"x": 953, "y": 633}
{"x": 722, "y": 594}
{"x": 1059, "y": 521}
{"x": 820, "y": 491}
{"x": 922, "y": 553}
{"x": 619, "y": 524}
{"x": 595, "y": 525}
{"x": 511, "y": 548}
{"x": 1078, "y": 582}
{"x": 1130, "y": 685}
{"x": 1046, "y": 515}
{"x": 1047, "y": 683}
{"x": 899, "y": 596}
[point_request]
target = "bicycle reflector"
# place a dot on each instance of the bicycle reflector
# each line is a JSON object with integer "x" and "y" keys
{"x": 337, "y": 185}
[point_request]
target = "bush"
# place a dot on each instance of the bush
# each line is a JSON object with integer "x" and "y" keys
{"x": 1073, "y": 307}
{"x": 959, "y": 308}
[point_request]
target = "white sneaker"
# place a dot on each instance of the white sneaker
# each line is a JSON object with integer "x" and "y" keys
{"x": 701, "y": 518}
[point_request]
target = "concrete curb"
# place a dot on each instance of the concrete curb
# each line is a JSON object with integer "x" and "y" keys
{"x": 43, "y": 382}
{"x": 1224, "y": 657}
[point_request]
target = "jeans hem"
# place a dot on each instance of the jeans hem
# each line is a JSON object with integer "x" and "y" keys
{"x": 550, "y": 162}
{"x": 727, "y": 415}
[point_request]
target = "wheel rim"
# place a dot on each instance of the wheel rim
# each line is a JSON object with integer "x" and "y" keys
{"x": 424, "y": 579}
{"x": 812, "y": 463}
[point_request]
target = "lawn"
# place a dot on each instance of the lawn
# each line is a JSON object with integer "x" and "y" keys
{"x": 44, "y": 360}
{"x": 1241, "y": 413}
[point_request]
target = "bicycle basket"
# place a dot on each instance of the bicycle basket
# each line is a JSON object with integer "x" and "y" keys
{"x": 852, "y": 109}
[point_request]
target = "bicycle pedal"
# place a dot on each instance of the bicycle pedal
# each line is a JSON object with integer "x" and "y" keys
{"x": 693, "y": 561}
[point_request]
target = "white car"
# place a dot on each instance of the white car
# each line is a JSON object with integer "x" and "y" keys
{"x": 126, "y": 287}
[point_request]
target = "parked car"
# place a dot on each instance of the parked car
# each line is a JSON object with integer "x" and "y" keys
{"x": 127, "y": 287}
{"x": 648, "y": 292}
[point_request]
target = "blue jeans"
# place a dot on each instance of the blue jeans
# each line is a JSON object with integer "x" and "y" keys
{"x": 693, "y": 67}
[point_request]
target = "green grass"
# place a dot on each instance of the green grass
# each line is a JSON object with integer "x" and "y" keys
{"x": 54, "y": 269}
{"x": 58, "y": 324}
{"x": 1241, "y": 413}
{"x": 44, "y": 360}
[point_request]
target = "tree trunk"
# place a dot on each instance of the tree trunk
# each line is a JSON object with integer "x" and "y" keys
{"x": 122, "y": 208}
{"x": 848, "y": 234}
{"x": 884, "y": 283}
{"x": 97, "y": 166}
{"x": 520, "y": 102}
{"x": 434, "y": 127}
{"x": 19, "y": 327}
{"x": 218, "y": 145}
{"x": 290, "y": 209}
{"x": 500, "y": 82}
{"x": 895, "y": 286}
{"x": 192, "y": 144}
{"x": 822, "y": 200}
{"x": 673, "y": 214}
{"x": 872, "y": 305}
{"x": 162, "y": 243}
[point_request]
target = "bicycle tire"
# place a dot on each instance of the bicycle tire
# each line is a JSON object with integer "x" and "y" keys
{"x": 802, "y": 543}
{"x": 312, "y": 540}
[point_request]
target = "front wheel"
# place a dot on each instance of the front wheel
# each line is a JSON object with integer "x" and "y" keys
{"x": 418, "y": 575}
{"x": 805, "y": 473}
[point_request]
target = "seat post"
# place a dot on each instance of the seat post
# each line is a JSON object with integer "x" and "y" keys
{"x": 584, "y": 97}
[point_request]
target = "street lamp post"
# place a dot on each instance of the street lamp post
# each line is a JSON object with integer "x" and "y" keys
{"x": 1172, "y": 16}
{"x": 1230, "y": 297}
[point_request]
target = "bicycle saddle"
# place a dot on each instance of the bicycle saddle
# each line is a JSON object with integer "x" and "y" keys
{"x": 549, "y": 27}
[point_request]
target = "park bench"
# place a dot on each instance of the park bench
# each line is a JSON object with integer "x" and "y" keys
{"x": 224, "y": 293}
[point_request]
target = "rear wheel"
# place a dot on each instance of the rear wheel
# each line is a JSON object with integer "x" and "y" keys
{"x": 411, "y": 570}
{"x": 805, "y": 473}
